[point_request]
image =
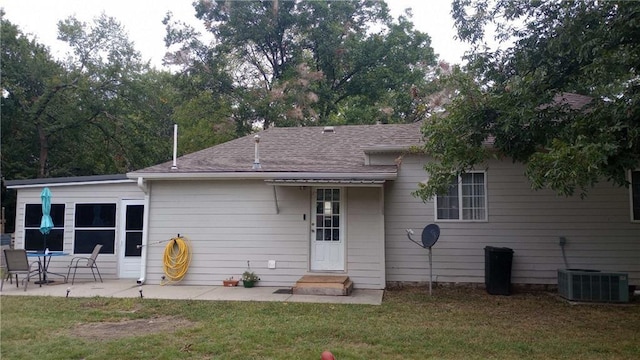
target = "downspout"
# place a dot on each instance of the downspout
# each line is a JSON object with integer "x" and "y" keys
{"x": 383, "y": 256}
{"x": 145, "y": 231}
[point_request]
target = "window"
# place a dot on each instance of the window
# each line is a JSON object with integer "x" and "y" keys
{"x": 95, "y": 224}
{"x": 328, "y": 215}
{"x": 635, "y": 195}
{"x": 465, "y": 200}
{"x": 33, "y": 238}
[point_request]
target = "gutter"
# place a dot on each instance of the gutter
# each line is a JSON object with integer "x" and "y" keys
{"x": 388, "y": 148}
{"x": 13, "y": 184}
{"x": 391, "y": 175}
{"x": 145, "y": 231}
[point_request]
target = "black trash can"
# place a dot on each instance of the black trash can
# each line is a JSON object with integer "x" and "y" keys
{"x": 497, "y": 270}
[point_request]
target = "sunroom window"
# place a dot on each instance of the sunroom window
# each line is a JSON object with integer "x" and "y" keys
{"x": 33, "y": 238}
{"x": 95, "y": 224}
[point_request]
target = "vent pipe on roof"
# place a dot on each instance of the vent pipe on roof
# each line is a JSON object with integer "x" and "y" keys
{"x": 328, "y": 129}
{"x": 175, "y": 147}
{"x": 256, "y": 161}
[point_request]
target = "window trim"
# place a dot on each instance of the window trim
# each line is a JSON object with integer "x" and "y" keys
{"x": 460, "y": 208}
{"x": 630, "y": 174}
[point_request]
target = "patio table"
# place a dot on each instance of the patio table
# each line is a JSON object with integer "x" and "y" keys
{"x": 45, "y": 259}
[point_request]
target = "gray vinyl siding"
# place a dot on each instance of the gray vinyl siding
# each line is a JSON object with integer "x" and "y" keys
{"x": 231, "y": 222}
{"x": 365, "y": 240}
{"x": 598, "y": 230}
{"x": 70, "y": 195}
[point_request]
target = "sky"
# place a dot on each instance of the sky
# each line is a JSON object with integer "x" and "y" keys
{"x": 142, "y": 20}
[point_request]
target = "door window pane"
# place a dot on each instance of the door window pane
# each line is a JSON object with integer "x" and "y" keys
{"x": 135, "y": 217}
{"x": 132, "y": 242}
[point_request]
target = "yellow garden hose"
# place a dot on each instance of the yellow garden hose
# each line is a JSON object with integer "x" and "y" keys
{"x": 176, "y": 259}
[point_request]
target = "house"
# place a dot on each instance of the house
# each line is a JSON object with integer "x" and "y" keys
{"x": 331, "y": 200}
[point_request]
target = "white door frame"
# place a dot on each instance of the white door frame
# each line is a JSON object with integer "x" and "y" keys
{"x": 128, "y": 266}
{"x": 328, "y": 255}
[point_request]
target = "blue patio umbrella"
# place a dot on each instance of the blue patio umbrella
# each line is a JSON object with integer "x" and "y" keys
{"x": 46, "y": 224}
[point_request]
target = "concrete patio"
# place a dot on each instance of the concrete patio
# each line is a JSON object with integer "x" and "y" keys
{"x": 129, "y": 289}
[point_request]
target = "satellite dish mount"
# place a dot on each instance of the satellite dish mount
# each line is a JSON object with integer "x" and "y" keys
{"x": 430, "y": 235}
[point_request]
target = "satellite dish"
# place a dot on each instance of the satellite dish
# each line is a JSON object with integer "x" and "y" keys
{"x": 430, "y": 235}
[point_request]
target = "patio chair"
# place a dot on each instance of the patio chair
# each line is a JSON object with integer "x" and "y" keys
{"x": 3, "y": 263}
{"x": 83, "y": 262}
{"x": 18, "y": 264}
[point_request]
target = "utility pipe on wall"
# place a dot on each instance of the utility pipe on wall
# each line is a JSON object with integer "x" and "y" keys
{"x": 256, "y": 161}
{"x": 145, "y": 231}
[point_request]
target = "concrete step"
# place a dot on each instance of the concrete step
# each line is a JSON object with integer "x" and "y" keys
{"x": 331, "y": 285}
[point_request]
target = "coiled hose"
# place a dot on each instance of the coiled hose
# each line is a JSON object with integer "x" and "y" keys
{"x": 176, "y": 259}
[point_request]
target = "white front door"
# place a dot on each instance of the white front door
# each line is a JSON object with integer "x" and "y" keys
{"x": 131, "y": 220}
{"x": 327, "y": 230}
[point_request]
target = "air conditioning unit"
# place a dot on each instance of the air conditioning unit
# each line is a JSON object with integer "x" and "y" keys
{"x": 593, "y": 285}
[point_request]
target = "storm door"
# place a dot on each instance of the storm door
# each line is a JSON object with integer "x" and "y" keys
{"x": 131, "y": 228}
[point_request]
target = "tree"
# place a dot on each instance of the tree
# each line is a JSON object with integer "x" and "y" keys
{"x": 26, "y": 68}
{"x": 111, "y": 98}
{"x": 562, "y": 98}
{"x": 98, "y": 112}
{"x": 368, "y": 75}
{"x": 308, "y": 62}
{"x": 31, "y": 81}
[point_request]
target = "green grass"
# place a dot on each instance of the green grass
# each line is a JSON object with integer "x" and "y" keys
{"x": 454, "y": 323}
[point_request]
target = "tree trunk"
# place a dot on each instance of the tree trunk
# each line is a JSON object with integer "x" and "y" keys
{"x": 44, "y": 152}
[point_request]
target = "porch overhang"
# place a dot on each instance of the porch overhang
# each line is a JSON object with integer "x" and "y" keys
{"x": 327, "y": 182}
{"x": 320, "y": 183}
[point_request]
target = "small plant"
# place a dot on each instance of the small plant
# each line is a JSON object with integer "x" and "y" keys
{"x": 230, "y": 281}
{"x": 250, "y": 276}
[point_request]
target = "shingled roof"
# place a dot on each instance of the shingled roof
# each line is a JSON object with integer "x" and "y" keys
{"x": 575, "y": 101}
{"x": 309, "y": 150}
